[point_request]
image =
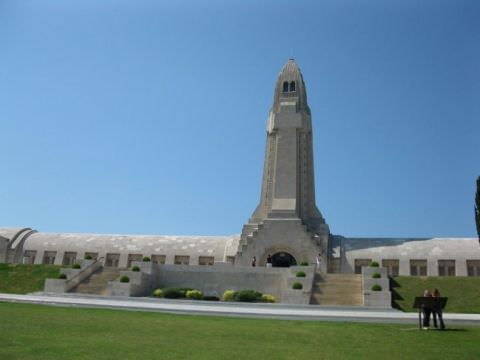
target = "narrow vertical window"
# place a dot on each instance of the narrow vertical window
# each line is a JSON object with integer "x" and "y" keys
{"x": 285, "y": 86}
{"x": 292, "y": 86}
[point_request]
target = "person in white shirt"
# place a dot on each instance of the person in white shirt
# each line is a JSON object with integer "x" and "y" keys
{"x": 318, "y": 260}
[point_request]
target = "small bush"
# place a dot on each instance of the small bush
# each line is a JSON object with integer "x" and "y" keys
{"x": 124, "y": 279}
{"x": 135, "y": 268}
{"x": 374, "y": 264}
{"x": 228, "y": 295}
{"x": 211, "y": 298}
{"x": 194, "y": 294}
{"x": 158, "y": 293}
{"x": 174, "y": 293}
{"x": 268, "y": 298}
{"x": 146, "y": 259}
{"x": 297, "y": 286}
{"x": 62, "y": 276}
{"x": 247, "y": 296}
{"x": 304, "y": 263}
{"x": 76, "y": 266}
{"x": 300, "y": 274}
{"x": 376, "y": 275}
{"x": 88, "y": 257}
{"x": 376, "y": 287}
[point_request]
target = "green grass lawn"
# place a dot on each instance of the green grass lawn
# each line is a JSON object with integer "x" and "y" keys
{"x": 23, "y": 279}
{"x": 463, "y": 292}
{"x": 44, "y": 332}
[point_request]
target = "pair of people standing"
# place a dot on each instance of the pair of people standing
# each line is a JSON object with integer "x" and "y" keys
{"x": 435, "y": 311}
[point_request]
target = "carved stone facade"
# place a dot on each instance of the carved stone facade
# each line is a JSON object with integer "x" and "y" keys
{"x": 287, "y": 219}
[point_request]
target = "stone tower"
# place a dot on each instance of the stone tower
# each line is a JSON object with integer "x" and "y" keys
{"x": 286, "y": 224}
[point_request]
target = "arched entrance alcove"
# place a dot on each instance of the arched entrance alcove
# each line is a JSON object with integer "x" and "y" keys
{"x": 283, "y": 259}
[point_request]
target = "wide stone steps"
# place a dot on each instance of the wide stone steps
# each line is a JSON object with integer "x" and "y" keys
{"x": 98, "y": 282}
{"x": 337, "y": 289}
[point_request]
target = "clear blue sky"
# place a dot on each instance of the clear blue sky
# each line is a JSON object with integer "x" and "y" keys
{"x": 149, "y": 116}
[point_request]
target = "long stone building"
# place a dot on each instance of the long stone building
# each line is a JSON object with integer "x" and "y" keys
{"x": 286, "y": 225}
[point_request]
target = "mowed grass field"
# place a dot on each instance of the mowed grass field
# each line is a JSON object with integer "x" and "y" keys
{"x": 463, "y": 292}
{"x": 23, "y": 279}
{"x": 44, "y": 332}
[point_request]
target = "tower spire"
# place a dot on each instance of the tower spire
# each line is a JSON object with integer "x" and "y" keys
{"x": 288, "y": 187}
{"x": 290, "y": 85}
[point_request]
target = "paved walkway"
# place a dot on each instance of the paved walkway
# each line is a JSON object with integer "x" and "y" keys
{"x": 275, "y": 311}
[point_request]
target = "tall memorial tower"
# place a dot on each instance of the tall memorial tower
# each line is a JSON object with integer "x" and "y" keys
{"x": 286, "y": 224}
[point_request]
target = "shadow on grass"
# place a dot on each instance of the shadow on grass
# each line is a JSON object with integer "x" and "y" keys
{"x": 435, "y": 330}
{"x": 395, "y": 295}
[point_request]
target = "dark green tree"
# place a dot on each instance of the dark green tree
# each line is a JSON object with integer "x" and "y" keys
{"x": 477, "y": 207}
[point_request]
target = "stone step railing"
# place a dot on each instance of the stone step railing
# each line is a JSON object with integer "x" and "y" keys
{"x": 74, "y": 277}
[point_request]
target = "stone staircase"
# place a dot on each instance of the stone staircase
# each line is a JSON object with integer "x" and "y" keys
{"x": 249, "y": 233}
{"x": 98, "y": 282}
{"x": 337, "y": 289}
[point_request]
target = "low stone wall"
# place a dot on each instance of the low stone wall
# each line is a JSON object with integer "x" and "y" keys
{"x": 299, "y": 296}
{"x": 215, "y": 280}
{"x": 140, "y": 284}
{"x": 117, "y": 288}
{"x": 378, "y": 299}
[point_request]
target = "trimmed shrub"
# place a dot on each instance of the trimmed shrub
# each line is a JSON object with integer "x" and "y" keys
{"x": 304, "y": 263}
{"x": 268, "y": 298}
{"x": 211, "y": 298}
{"x": 146, "y": 259}
{"x": 76, "y": 266}
{"x": 194, "y": 294}
{"x": 88, "y": 257}
{"x": 376, "y": 287}
{"x": 300, "y": 274}
{"x": 62, "y": 276}
{"x": 297, "y": 286}
{"x": 247, "y": 296}
{"x": 228, "y": 295}
{"x": 374, "y": 264}
{"x": 376, "y": 275}
{"x": 124, "y": 279}
{"x": 135, "y": 268}
{"x": 158, "y": 293}
{"x": 174, "y": 293}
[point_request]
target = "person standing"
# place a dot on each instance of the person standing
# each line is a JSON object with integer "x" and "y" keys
{"x": 437, "y": 310}
{"x": 427, "y": 310}
{"x": 254, "y": 261}
{"x": 269, "y": 260}
{"x": 318, "y": 260}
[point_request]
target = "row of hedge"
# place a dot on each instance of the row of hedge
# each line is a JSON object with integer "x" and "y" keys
{"x": 247, "y": 296}
{"x": 228, "y": 295}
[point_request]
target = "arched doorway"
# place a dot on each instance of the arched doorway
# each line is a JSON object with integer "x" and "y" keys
{"x": 283, "y": 259}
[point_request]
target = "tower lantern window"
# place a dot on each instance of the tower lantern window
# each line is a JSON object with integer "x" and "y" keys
{"x": 292, "y": 86}
{"x": 285, "y": 86}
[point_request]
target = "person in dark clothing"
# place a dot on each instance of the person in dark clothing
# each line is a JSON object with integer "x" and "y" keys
{"x": 254, "y": 261}
{"x": 437, "y": 310}
{"x": 269, "y": 260}
{"x": 426, "y": 311}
